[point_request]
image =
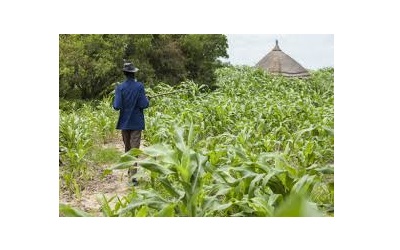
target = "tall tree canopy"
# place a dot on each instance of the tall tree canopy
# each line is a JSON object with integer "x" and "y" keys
{"x": 90, "y": 64}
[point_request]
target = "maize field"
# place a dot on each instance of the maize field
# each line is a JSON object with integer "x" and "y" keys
{"x": 256, "y": 145}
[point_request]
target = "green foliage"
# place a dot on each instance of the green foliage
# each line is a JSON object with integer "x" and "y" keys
{"x": 90, "y": 65}
{"x": 266, "y": 138}
{"x": 202, "y": 52}
{"x": 258, "y": 145}
{"x": 104, "y": 155}
{"x": 67, "y": 211}
{"x": 80, "y": 129}
{"x": 179, "y": 170}
{"x": 297, "y": 206}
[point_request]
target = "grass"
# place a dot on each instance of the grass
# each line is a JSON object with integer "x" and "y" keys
{"x": 101, "y": 155}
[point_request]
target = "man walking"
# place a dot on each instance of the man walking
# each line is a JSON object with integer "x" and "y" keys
{"x": 130, "y": 100}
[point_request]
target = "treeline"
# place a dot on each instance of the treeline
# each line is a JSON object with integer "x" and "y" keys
{"x": 89, "y": 65}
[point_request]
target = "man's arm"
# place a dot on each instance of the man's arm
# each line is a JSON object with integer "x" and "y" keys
{"x": 117, "y": 105}
{"x": 143, "y": 102}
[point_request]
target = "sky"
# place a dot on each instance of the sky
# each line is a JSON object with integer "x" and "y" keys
{"x": 311, "y": 51}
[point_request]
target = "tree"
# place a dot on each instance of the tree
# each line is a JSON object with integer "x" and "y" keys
{"x": 168, "y": 59}
{"x": 138, "y": 51}
{"x": 202, "y": 52}
{"x": 90, "y": 64}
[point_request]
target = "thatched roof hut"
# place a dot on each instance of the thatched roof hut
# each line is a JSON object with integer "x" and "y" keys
{"x": 277, "y": 62}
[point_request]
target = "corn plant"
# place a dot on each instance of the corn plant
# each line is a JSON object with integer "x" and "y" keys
{"x": 187, "y": 184}
{"x": 250, "y": 147}
{"x": 178, "y": 170}
{"x": 80, "y": 129}
{"x": 75, "y": 141}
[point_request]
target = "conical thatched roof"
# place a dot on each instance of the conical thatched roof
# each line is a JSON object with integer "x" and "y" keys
{"x": 277, "y": 62}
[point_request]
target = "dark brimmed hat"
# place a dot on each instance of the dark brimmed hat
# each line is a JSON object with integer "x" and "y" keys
{"x": 129, "y": 67}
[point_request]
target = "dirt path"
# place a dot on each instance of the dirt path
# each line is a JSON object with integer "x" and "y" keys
{"x": 115, "y": 184}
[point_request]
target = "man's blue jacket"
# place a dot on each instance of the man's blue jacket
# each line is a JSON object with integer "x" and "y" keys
{"x": 130, "y": 100}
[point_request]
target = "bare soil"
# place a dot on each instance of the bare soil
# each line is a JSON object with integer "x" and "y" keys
{"x": 114, "y": 184}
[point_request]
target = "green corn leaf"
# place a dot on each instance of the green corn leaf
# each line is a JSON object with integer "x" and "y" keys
{"x": 132, "y": 206}
{"x": 154, "y": 167}
{"x": 190, "y": 137}
{"x": 303, "y": 185}
{"x": 222, "y": 174}
{"x": 157, "y": 150}
{"x": 276, "y": 185}
{"x": 299, "y": 133}
{"x": 134, "y": 152}
{"x": 142, "y": 212}
{"x": 105, "y": 205}
{"x": 123, "y": 165}
{"x": 69, "y": 211}
{"x": 212, "y": 204}
{"x": 260, "y": 206}
{"x": 326, "y": 170}
{"x": 179, "y": 141}
{"x": 173, "y": 190}
{"x": 253, "y": 184}
{"x": 222, "y": 190}
{"x": 315, "y": 169}
{"x": 240, "y": 214}
{"x": 218, "y": 206}
{"x": 274, "y": 199}
{"x": 297, "y": 206}
{"x": 167, "y": 211}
